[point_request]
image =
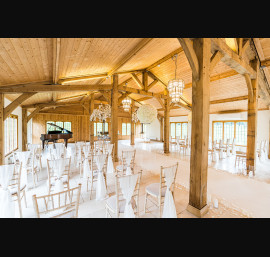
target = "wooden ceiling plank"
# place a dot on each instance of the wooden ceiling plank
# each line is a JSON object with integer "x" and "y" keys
{"x": 165, "y": 58}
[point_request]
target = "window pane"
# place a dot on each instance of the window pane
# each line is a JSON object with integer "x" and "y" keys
{"x": 128, "y": 129}
{"x": 59, "y": 123}
{"x": 218, "y": 129}
{"x": 172, "y": 130}
{"x": 67, "y": 125}
{"x": 178, "y": 130}
{"x": 228, "y": 131}
{"x": 241, "y": 133}
{"x": 184, "y": 130}
{"x": 124, "y": 129}
{"x": 106, "y": 127}
{"x": 10, "y": 136}
{"x": 99, "y": 127}
{"x": 95, "y": 129}
{"x": 49, "y": 127}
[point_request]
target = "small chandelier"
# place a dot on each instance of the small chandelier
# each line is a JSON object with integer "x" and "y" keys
{"x": 176, "y": 86}
{"x": 102, "y": 113}
{"x": 126, "y": 104}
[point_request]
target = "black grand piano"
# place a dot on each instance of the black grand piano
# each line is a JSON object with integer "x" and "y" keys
{"x": 55, "y": 135}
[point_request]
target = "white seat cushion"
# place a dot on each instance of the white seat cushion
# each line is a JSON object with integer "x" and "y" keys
{"x": 153, "y": 189}
{"x": 111, "y": 202}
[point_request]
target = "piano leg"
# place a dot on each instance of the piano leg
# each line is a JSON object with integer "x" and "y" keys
{"x": 43, "y": 142}
{"x": 65, "y": 142}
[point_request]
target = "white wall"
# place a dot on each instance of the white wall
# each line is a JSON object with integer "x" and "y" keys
{"x": 154, "y": 130}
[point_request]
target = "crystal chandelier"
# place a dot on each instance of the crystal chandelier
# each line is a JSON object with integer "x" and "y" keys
{"x": 102, "y": 113}
{"x": 176, "y": 86}
{"x": 126, "y": 104}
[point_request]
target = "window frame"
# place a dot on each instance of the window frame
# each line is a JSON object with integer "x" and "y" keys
{"x": 224, "y": 121}
{"x": 181, "y": 122}
{"x": 13, "y": 116}
{"x": 55, "y": 124}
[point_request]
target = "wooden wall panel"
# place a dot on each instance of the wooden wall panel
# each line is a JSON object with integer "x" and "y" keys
{"x": 80, "y": 126}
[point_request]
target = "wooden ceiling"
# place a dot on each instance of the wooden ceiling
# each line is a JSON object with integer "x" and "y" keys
{"x": 27, "y": 60}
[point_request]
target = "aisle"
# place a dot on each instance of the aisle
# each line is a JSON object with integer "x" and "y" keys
{"x": 250, "y": 196}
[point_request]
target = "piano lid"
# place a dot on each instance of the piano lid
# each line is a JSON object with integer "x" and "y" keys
{"x": 62, "y": 129}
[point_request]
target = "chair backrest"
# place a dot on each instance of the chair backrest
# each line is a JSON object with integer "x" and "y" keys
{"x": 94, "y": 165}
{"x": 63, "y": 204}
{"x": 51, "y": 171}
{"x": 17, "y": 180}
{"x": 126, "y": 154}
{"x": 163, "y": 177}
{"x": 119, "y": 194}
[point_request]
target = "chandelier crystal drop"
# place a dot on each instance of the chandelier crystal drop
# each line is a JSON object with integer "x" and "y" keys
{"x": 102, "y": 113}
{"x": 176, "y": 86}
{"x": 126, "y": 104}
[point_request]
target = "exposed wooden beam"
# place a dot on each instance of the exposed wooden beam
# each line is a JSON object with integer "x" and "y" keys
{"x": 13, "y": 105}
{"x": 216, "y": 57}
{"x": 144, "y": 99}
{"x": 187, "y": 46}
{"x": 228, "y": 100}
{"x": 249, "y": 85}
{"x": 43, "y": 105}
{"x": 53, "y": 88}
{"x": 231, "y": 58}
{"x": 153, "y": 83}
{"x": 137, "y": 81}
{"x": 140, "y": 92}
{"x": 160, "y": 101}
{"x": 36, "y": 111}
{"x": 224, "y": 75}
{"x": 265, "y": 63}
{"x": 56, "y": 56}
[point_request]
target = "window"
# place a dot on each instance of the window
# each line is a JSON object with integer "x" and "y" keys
{"x": 98, "y": 127}
{"x": 62, "y": 124}
{"x": 230, "y": 129}
{"x": 126, "y": 129}
{"x": 179, "y": 129}
{"x": 241, "y": 133}
{"x": 11, "y": 134}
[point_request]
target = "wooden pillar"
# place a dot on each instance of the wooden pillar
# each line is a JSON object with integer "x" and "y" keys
{"x": 166, "y": 145}
{"x": 252, "y": 119}
{"x": 161, "y": 122}
{"x": 269, "y": 143}
{"x": 132, "y": 124}
{"x": 145, "y": 80}
{"x": 2, "y": 132}
{"x": 91, "y": 123}
{"x": 200, "y": 129}
{"x": 24, "y": 129}
{"x": 114, "y": 115}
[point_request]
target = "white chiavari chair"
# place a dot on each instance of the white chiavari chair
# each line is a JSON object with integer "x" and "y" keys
{"x": 126, "y": 198}
{"x": 28, "y": 163}
{"x": 96, "y": 174}
{"x": 155, "y": 193}
{"x": 109, "y": 149}
{"x": 63, "y": 204}
{"x": 127, "y": 162}
{"x": 58, "y": 171}
{"x": 18, "y": 185}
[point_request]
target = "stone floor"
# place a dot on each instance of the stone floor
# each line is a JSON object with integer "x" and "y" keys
{"x": 149, "y": 158}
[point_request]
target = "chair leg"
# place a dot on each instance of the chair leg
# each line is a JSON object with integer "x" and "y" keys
{"x": 33, "y": 176}
{"x": 20, "y": 206}
{"x": 91, "y": 186}
{"x": 160, "y": 210}
{"x": 145, "y": 203}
